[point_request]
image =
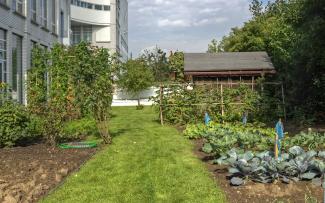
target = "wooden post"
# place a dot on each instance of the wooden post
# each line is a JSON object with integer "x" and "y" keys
{"x": 253, "y": 81}
{"x": 217, "y": 83}
{"x": 161, "y": 108}
{"x": 222, "y": 107}
{"x": 276, "y": 149}
{"x": 283, "y": 103}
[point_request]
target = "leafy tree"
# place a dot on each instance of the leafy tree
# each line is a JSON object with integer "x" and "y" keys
{"x": 292, "y": 32}
{"x": 213, "y": 47}
{"x": 135, "y": 77}
{"x": 157, "y": 61}
{"x": 256, "y": 8}
{"x": 176, "y": 64}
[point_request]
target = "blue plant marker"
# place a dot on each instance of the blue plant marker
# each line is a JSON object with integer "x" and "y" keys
{"x": 279, "y": 131}
{"x": 207, "y": 118}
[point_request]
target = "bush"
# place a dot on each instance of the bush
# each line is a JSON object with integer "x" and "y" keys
{"x": 139, "y": 107}
{"x": 79, "y": 129}
{"x": 16, "y": 124}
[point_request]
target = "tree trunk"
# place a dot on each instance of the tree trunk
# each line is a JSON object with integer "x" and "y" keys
{"x": 103, "y": 129}
{"x": 139, "y": 100}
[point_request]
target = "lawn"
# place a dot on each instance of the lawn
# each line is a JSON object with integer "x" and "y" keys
{"x": 146, "y": 163}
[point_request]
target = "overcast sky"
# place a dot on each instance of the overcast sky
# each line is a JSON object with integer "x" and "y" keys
{"x": 186, "y": 25}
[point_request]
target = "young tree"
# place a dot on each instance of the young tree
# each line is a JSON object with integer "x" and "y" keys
{"x": 135, "y": 77}
{"x": 176, "y": 64}
{"x": 213, "y": 47}
{"x": 157, "y": 61}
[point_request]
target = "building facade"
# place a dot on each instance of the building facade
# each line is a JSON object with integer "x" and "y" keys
{"x": 103, "y": 23}
{"x": 23, "y": 24}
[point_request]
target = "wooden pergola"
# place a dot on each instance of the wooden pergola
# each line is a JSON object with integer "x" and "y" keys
{"x": 227, "y": 67}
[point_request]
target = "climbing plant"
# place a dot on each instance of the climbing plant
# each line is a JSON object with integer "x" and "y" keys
{"x": 182, "y": 105}
{"x": 68, "y": 83}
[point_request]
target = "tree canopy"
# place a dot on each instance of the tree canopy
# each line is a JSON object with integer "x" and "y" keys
{"x": 135, "y": 77}
{"x": 292, "y": 32}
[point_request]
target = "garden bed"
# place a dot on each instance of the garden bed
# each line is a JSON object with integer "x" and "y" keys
{"x": 257, "y": 192}
{"x": 29, "y": 173}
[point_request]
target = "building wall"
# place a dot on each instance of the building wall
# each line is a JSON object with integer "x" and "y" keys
{"x": 16, "y": 24}
{"x": 109, "y": 27}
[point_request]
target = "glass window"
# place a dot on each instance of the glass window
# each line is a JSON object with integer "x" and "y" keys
{"x": 16, "y": 66}
{"x": 84, "y": 4}
{"x": 33, "y": 10}
{"x": 33, "y": 44}
{"x": 90, "y": 6}
{"x": 87, "y": 34}
{"x": 3, "y": 56}
{"x": 44, "y": 13}
{"x": 76, "y": 35}
{"x": 61, "y": 24}
{"x": 4, "y": 2}
{"x": 18, "y": 6}
{"x": 98, "y": 7}
{"x": 53, "y": 16}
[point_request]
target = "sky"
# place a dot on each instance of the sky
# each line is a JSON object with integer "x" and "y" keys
{"x": 185, "y": 25}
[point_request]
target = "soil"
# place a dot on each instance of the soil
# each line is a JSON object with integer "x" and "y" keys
{"x": 29, "y": 173}
{"x": 295, "y": 192}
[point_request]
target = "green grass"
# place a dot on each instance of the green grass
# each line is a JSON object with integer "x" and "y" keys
{"x": 146, "y": 163}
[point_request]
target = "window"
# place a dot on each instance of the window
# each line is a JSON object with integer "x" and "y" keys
{"x": 98, "y": 7}
{"x": 83, "y": 4}
{"x": 62, "y": 24}
{"x": 87, "y": 5}
{"x": 33, "y": 10}
{"x": 16, "y": 68}
{"x": 44, "y": 13}
{"x": 3, "y": 2}
{"x": 53, "y": 16}
{"x": 87, "y": 34}
{"x": 33, "y": 44}
{"x": 3, "y": 56}
{"x": 18, "y": 6}
{"x": 90, "y": 6}
{"x": 106, "y": 8}
{"x": 76, "y": 35}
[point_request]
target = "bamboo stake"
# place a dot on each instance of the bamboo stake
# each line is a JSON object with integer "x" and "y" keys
{"x": 222, "y": 107}
{"x": 203, "y": 104}
{"x": 283, "y": 103}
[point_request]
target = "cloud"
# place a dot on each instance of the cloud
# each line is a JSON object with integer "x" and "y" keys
{"x": 182, "y": 24}
{"x": 172, "y": 23}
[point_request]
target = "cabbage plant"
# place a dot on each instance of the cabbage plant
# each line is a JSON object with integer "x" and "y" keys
{"x": 264, "y": 168}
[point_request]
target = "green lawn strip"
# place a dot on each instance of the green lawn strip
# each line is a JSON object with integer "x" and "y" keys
{"x": 145, "y": 163}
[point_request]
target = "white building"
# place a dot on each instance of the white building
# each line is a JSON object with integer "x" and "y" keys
{"x": 23, "y": 24}
{"x": 104, "y": 23}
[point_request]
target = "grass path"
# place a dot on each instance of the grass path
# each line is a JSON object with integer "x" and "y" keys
{"x": 145, "y": 163}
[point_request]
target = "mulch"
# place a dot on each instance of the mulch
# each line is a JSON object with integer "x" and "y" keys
{"x": 29, "y": 173}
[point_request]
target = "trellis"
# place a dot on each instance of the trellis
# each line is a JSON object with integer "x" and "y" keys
{"x": 220, "y": 85}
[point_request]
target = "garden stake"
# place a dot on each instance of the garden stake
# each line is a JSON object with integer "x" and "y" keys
{"x": 323, "y": 187}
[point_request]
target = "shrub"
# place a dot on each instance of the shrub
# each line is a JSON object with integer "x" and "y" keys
{"x": 16, "y": 124}
{"x": 79, "y": 129}
{"x": 139, "y": 107}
